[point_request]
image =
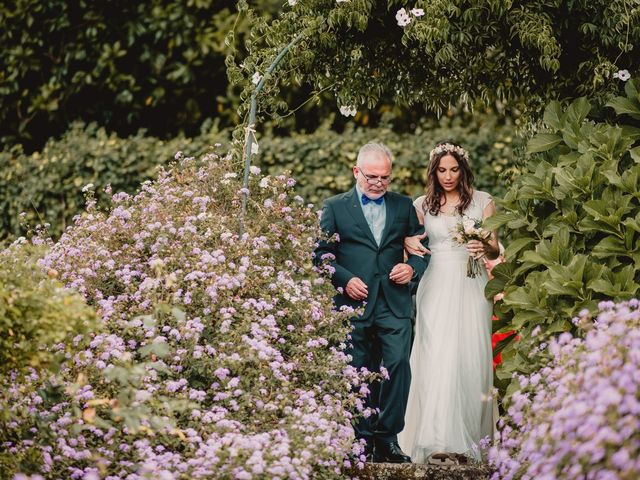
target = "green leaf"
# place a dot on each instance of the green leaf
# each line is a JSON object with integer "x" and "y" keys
{"x": 630, "y": 88}
{"x": 543, "y": 142}
{"x": 609, "y": 246}
{"x": 623, "y": 106}
{"x": 178, "y": 314}
{"x": 553, "y": 115}
{"x": 496, "y": 221}
{"x": 560, "y": 325}
{"x": 517, "y": 245}
{"x": 577, "y": 111}
{"x": 494, "y": 287}
{"x": 525, "y": 317}
{"x": 503, "y": 271}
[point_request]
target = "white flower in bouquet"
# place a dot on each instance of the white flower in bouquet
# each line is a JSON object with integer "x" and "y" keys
{"x": 469, "y": 226}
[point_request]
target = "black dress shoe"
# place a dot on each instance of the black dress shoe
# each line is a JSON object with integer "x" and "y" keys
{"x": 389, "y": 452}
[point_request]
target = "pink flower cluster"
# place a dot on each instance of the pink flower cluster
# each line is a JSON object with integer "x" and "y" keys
{"x": 578, "y": 417}
{"x": 221, "y": 355}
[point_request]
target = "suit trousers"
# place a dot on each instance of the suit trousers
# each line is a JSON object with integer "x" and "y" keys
{"x": 385, "y": 340}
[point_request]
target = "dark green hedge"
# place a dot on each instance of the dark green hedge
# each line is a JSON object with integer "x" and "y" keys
{"x": 47, "y": 185}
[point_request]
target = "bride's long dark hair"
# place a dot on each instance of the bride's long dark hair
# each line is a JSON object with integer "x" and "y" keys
{"x": 433, "y": 201}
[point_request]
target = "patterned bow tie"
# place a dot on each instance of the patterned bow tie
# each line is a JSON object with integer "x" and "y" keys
{"x": 377, "y": 201}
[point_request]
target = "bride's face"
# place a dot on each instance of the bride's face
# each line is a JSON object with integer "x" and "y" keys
{"x": 448, "y": 173}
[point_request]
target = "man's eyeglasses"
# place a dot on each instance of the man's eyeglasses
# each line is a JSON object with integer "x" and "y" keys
{"x": 373, "y": 179}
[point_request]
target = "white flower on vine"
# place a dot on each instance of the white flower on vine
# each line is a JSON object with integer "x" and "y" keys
{"x": 87, "y": 187}
{"x": 254, "y": 148}
{"x": 348, "y": 110}
{"x": 342, "y": 1}
{"x": 292, "y": 2}
{"x": 623, "y": 75}
{"x": 256, "y": 78}
{"x": 417, "y": 12}
{"x": 403, "y": 18}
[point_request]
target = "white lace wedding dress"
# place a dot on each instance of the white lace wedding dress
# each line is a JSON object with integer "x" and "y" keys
{"x": 449, "y": 409}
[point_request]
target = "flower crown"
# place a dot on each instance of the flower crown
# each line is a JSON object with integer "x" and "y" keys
{"x": 449, "y": 148}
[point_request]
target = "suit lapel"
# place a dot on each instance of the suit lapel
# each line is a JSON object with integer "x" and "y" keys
{"x": 355, "y": 209}
{"x": 390, "y": 202}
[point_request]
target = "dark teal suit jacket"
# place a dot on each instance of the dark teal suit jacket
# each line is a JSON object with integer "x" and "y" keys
{"x": 356, "y": 254}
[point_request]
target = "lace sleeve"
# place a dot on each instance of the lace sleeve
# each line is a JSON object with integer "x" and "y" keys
{"x": 483, "y": 199}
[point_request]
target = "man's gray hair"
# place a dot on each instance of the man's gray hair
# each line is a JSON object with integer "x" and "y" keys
{"x": 377, "y": 149}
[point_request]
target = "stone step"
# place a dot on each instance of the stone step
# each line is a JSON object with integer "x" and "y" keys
{"x": 416, "y": 471}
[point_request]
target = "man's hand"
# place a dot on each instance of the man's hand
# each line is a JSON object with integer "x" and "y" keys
{"x": 357, "y": 289}
{"x": 401, "y": 273}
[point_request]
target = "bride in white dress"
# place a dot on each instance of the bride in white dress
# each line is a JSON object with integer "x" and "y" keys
{"x": 449, "y": 408}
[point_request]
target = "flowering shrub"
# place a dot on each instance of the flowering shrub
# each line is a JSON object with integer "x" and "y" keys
{"x": 227, "y": 346}
{"x": 578, "y": 416}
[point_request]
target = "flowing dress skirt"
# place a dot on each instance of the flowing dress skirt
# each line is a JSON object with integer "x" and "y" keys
{"x": 449, "y": 407}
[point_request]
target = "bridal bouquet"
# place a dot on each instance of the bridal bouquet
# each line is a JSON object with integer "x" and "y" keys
{"x": 470, "y": 229}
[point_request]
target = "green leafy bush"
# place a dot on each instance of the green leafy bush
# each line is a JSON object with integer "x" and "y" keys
{"x": 36, "y": 312}
{"x": 47, "y": 185}
{"x": 322, "y": 161}
{"x": 573, "y": 218}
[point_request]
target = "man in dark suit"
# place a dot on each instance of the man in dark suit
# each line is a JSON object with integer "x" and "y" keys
{"x": 369, "y": 266}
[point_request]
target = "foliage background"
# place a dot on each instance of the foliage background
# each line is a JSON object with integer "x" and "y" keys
{"x": 158, "y": 65}
{"x": 47, "y": 185}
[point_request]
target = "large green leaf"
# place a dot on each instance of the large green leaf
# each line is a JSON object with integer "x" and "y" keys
{"x": 543, "y": 142}
{"x": 494, "y": 287}
{"x": 623, "y": 105}
{"x": 498, "y": 220}
{"x": 577, "y": 112}
{"x": 515, "y": 246}
{"x": 553, "y": 116}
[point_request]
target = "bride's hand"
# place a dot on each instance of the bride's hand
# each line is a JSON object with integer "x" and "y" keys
{"x": 413, "y": 246}
{"x": 476, "y": 248}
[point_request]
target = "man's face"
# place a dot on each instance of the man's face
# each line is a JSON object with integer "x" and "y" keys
{"x": 373, "y": 175}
